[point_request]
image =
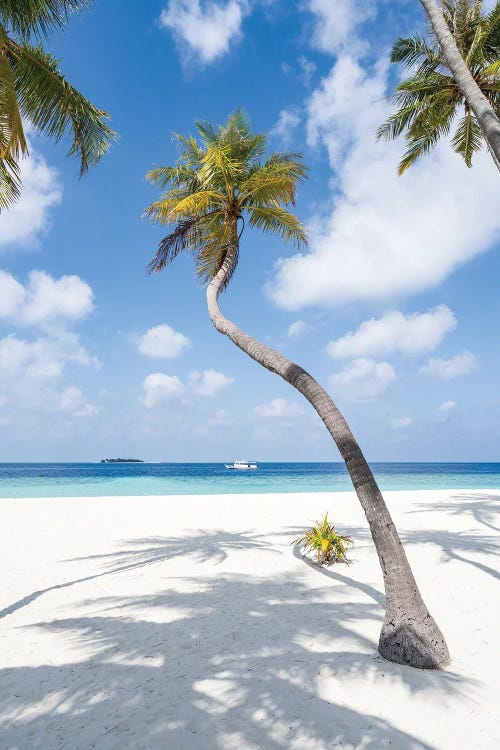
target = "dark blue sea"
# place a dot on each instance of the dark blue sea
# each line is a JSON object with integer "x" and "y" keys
{"x": 94, "y": 479}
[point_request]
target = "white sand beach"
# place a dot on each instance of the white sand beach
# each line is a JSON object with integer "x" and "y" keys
{"x": 189, "y": 623}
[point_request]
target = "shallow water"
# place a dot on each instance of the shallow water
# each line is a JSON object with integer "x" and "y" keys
{"x": 93, "y": 479}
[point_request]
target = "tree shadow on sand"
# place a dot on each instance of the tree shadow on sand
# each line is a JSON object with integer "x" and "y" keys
{"x": 204, "y": 545}
{"x": 483, "y": 507}
{"x": 233, "y": 662}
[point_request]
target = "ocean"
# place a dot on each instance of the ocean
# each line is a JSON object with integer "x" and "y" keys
{"x": 94, "y": 479}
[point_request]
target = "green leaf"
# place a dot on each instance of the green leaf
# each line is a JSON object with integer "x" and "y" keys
{"x": 468, "y": 138}
{"x": 38, "y": 17}
{"x": 56, "y": 108}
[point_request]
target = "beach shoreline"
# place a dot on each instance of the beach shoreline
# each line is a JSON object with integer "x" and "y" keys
{"x": 190, "y": 622}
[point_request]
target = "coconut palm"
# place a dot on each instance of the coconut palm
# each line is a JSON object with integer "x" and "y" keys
{"x": 219, "y": 182}
{"x": 34, "y": 91}
{"x": 431, "y": 101}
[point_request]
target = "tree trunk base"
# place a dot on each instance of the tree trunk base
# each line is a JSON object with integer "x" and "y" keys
{"x": 415, "y": 642}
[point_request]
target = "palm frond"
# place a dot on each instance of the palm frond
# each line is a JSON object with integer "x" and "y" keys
{"x": 191, "y": 152}
{"x": 278, "y": 221}
{"x": 413, "y": 50}
{"x": 468, "y": 138}
{"x": 12, "y": 139}
{"x": 195, "y": 204}
{"x": 10, "y": 183}
{"x": 220, "y": 168}
{"x": 56, "y": 108}
{"x": 38, "y": 17}
{"x": 179, "y": 176}
{"x": 185, "y": 236}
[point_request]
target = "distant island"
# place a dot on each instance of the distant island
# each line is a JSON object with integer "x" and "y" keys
{"x": 121, "y": 461}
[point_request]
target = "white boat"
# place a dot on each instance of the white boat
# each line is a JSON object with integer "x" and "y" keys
{"x": 243, "y": 465}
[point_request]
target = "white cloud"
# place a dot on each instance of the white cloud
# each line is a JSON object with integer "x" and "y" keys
{"x": 205, "y": 31}
{"x": 43, "y": 358}
{"x": 44, "y": 298}
{"x": 209, "y": 382}
{"x": 297, "y": 328}
{"x": 448, "y": 369}
{"x": 363, "y": 380}
{"x": 447, "y": 406}
{"x": 159, "y": 387}
{"x": 277, "y": 408}
{"x": 73, "y": 402}
{"x": 28, "y": 219}
{"x": 402, "y": 424}
{"x": 288, "y": 121}
{"x": 336, "y": 23}
{"x": 413, "y": 334}
{"x": 12, "y": 295}
{"x": 384, "y": 235}
{"x": 163, "y": 342}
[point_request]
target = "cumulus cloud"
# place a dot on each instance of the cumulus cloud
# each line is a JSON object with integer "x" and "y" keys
{"x": 42, "y": 358}
{"x": 277, "y": 408}
{"x": 413, "y": 334}
{"x": 297, "y": 328}
{"x": 288, "y": 121}
{"x": 447, "y": 406}
{"x": 163, "y": 342}
{"x": 209, "y": 382}
{"x": 29, "y": 218}
{"x": 204, "y": 31}
{"x": 73, "y": 402}
{"x": 448, "y": 369}
{"x": 363, "y": 380}
{"x": 402, "y": 424}
{"x": 336, "y": 23}
{"x": 44, "y": 298}
{"x": 159, "y": 387}
{"x": 383, "y": 235}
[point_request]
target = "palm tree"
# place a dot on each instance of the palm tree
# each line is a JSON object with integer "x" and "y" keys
{"x": 434, "y": 98}
{"x": 216, "y": 183}
{"x": 34, "y": 91}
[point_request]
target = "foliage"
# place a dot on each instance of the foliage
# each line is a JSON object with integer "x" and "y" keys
{"x": 216, "y": 182}
{"x": 429, "y": 101}
{"x": 34, "y": 91}
{"x": 322, "y": 537}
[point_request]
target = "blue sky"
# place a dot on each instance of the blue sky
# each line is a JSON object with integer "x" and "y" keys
{"x": 394, "y": 307}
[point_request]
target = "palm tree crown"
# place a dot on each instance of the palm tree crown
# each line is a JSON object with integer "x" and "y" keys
{"x": 215, "y": 183}
{"x": 430, "y": 100}
{"x": 33, "y": 90}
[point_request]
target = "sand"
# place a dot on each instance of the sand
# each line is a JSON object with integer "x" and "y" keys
{"x": 189, "y": 623}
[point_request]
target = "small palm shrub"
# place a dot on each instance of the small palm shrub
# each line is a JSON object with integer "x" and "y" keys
{"x": 330, "y": 547}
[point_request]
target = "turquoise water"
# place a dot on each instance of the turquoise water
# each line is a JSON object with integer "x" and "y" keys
{"x": 91, "y": 480}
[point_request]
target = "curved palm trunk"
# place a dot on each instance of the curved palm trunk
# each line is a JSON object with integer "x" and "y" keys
{"x": 484, "y": 112}
{"x": 409, "y": 634}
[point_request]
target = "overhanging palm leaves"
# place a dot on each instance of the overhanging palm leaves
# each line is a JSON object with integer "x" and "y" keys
{"x": 216, "y": 182}
{"x": 32, "y": 89}
{"x": 429, "y": 102}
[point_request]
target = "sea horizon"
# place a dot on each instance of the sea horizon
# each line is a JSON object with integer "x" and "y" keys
{"x": 95, "y": 479}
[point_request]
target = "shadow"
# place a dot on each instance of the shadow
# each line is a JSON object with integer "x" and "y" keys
{"x": 483, "y": 507}
{"x": 211, "y": 545}
{"x": 233, "y": 662}
{"x": 333, "y": 575}
{"x": 454, "y": 543}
